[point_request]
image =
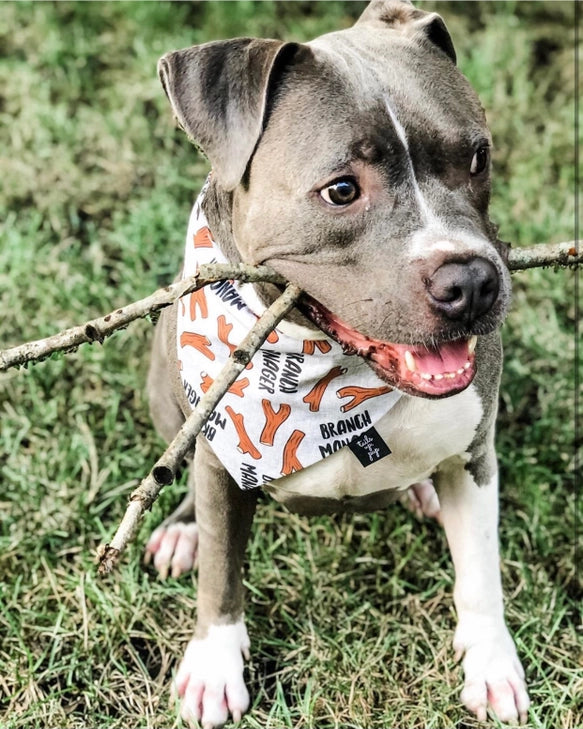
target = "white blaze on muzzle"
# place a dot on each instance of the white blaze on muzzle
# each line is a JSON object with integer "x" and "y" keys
{"x": 298, "y": 401}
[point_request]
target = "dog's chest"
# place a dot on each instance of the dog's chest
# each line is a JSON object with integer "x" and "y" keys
{"x": 420, "y": 434}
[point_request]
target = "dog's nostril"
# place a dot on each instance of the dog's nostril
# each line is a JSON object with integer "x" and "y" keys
{"x": 456, "y": 293}
{"x": 464, "y": 291}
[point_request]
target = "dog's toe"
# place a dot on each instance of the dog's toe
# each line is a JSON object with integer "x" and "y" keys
{"x": 173, "y": 548}
{"x": 508, "y": 699}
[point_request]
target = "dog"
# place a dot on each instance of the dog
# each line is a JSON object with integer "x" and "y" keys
{"x": 357, "y": 166}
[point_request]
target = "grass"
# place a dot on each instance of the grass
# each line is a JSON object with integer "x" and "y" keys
{"x": 351, "y": 619}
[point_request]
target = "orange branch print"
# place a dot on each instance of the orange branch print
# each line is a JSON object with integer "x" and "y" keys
{"x": 198, "y": 298}
{"x": 311, "y": 344}
{"x": 203, "y": 238}
{"x": 273, "y": 420}
{"x": 314, "y": 397}
{"x": 245, "y": 444}
{"x": 223, "y": 331}
{"x": 290, "y": 459}
{"x": 236, "y": 388}
{"x": 198, "y": 341}
{"x": 360, "y": 394}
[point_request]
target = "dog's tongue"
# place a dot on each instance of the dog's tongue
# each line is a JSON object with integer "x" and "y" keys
{"x": 448, "y": 357}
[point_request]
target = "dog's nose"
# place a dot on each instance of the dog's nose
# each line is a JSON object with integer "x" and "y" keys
{"x": 464, "y": 291}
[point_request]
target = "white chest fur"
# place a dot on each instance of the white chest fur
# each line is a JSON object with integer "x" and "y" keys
{"x": 420, "y": 433}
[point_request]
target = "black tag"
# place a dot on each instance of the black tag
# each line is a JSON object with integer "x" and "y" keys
{"x": 369, "y": 447}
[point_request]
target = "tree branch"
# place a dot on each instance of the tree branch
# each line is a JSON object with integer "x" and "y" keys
{"x": 545, "y": 254}
{"x": 97, "y": 330}
{"x": 164, "y": 471}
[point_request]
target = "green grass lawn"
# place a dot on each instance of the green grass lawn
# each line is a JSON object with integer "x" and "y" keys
{"x": 351, "y": 618}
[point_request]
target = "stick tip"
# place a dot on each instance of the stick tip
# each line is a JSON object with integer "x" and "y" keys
{"x": 163, "y": 475}
{"x": 107, "y": 558}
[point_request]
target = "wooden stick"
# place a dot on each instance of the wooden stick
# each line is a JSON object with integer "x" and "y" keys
{"x": 97, "y": 330}
{"x": 164, "y": 471}
{"x": 545, "y": 254}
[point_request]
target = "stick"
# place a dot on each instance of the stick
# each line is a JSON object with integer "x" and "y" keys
{"x": 164, "y": 471}
{"x": 545, "y": 254}
{"x": 97, "y": 330}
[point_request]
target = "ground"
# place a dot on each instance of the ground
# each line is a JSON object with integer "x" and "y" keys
{"x": 351, "y": 618}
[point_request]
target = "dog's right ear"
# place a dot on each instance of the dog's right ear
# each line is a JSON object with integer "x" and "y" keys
{"x": 218, "y": 92}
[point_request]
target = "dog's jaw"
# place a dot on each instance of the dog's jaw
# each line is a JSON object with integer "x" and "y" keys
{"x": 440, "y": 370}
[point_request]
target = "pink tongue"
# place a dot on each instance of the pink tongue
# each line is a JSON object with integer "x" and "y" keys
{"x": 449, "y": 357}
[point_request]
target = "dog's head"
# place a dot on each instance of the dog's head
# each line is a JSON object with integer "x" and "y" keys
{"x": 359, "y": 168}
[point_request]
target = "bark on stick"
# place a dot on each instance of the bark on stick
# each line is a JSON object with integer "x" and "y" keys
{"x": 545, "y": 254}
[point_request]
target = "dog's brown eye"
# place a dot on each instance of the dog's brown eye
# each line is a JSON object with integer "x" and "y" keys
{"x": 480, "y": 161}
{"x": 341, "y": 192}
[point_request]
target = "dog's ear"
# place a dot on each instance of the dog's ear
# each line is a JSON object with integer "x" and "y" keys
{"x": 218, "y": 92}
{"x": 402, "y": 16}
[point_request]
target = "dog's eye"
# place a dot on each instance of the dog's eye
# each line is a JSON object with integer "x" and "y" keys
{"x": 480, "y": 161}
{"x": 341, "y": 192}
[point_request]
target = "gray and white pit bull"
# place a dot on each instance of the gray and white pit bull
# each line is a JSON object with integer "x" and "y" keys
{"x": 357, "y": 166}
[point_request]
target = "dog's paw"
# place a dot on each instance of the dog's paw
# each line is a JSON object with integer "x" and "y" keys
{"x": 494, "y": 677}
{"x": 173, "y": 548}
{"x": 421, "y": 498}
{"x": 210, "y": 681}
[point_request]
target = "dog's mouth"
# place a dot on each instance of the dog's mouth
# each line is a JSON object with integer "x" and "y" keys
{"x": 439, "y": 370}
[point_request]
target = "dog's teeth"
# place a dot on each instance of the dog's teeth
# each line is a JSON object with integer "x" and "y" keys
{"x": 450, "y": 375}
{"x": 461, "y": 371}
{"x": 467, "y": 366}
{"x": 410, "y": 362}
{"x": 438, "y": 377}
{"x": 472, "y": 344}
{"x": 426, "y": 376}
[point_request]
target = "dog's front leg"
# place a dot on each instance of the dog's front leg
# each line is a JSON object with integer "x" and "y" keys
{"x": 210, "y": 677}
{"x": 493, "y": 674}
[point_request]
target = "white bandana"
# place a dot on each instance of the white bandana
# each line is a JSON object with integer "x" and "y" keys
{"x": 297, "y": 402}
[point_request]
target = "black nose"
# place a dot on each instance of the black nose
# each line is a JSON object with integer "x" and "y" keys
{"x": 464, "y": 291}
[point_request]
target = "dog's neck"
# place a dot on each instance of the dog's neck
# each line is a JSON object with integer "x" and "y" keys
{"x": 218, "y": 209}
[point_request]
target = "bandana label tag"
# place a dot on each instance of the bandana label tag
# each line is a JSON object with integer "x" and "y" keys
{"x": 369, "y": 447}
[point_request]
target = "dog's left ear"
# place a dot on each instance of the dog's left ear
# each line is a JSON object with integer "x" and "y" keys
{"x": 400, "y": 15}
{"x": 219, "y": 92}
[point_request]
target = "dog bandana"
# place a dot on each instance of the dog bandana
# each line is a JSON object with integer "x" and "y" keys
{"x": 298, "y": 400}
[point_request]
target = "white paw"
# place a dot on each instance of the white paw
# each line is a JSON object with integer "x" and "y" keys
{"x": 494, "y": 676}
{"x": 210, "y": 677}
{"x": 173, "y": 548}
{"x": 421, "y": 498}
